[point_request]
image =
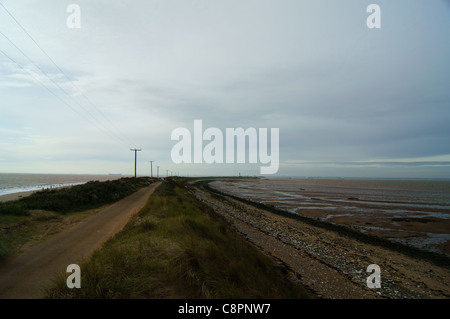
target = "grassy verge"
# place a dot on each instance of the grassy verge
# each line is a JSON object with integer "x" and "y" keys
{"x": 31, "y": 219}
{"x": 176, "y": 247}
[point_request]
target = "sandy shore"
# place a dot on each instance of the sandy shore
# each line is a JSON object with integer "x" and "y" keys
{"x": 15, "y": 196}
{"x": 18, "y": 195}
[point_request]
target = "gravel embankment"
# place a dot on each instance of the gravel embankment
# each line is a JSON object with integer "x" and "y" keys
{"x": 328, "y": 263}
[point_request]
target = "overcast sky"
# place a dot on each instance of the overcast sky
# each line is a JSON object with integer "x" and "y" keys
{"x": 348, "y": 100}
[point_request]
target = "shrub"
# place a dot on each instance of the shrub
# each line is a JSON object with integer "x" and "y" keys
{"x": 13, "y": 208}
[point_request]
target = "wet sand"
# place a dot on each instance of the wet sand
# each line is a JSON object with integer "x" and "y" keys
{"x": 15, "y": 196}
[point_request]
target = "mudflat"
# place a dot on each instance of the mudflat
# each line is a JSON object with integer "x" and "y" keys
{"x": 411, "y": 212}
{"x": 329, "y": 263}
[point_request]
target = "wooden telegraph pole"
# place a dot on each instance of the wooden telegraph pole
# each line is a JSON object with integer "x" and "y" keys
{"x": 135, "y": 158}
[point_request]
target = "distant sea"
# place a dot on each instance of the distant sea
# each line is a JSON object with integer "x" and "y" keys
{"x": 15, "y": 183}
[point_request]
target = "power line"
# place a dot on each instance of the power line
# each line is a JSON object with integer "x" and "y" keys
{"x": 63, "y": 101}
{"x": 96, "y": 121}
{"x": 122, "y": 136}
{"x": 38, "y": 80}
{"x": 18, "y": 23}
{"x": 119, "y": 135}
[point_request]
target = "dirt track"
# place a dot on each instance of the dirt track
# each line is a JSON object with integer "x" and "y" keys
{"x": 27, "y": 275}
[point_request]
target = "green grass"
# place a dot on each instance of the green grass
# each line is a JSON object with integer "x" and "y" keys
{"x": 24, "y": 220}
{"x": 177, "y": 247}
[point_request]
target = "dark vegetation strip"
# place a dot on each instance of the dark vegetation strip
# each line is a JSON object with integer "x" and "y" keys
{"x": 75, "y": 198}
{"x": 435, "y": 258}
{"x": 24, "y": 220}
{"x": 178, "y": 247}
